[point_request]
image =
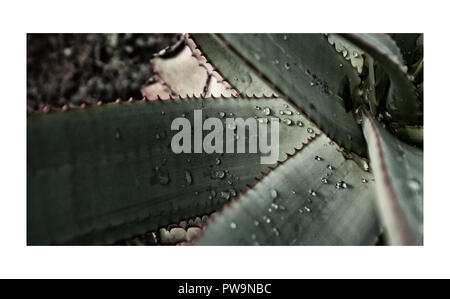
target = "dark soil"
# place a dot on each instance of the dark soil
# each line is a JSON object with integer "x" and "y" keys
{"x": 76, "y": 68}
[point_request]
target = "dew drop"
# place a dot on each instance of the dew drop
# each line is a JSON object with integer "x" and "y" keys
{"x": 275, "y": 232}
{"x": 218, "y": 161}
{"x": 232, "y": 126}
{"x": 324, "y": 180}
{"x": 281, "y": 112}
{"x": 222, "y": 114}
{"x": 256, "y": 223}
{"x": 233, "y": 225}
{"x": 341, "y": 185}
{"x": 310, "y": 131}
{"x": 267, "y": 111}
{"x": 288, "y": 112}
{"x": 364, "y": 181}
{"x": 312, "y": 192}
{"x": 225, "y": 195}
{"x": 157, "y": 136}
{"x": 287, "y": 66}
{"x": 311, "y": 84}
{"x": 273, "y": 193}
{"x": 274, "y": 205}
{"x": 344, "y": 53}
{"x": 330, "y": 167}
{"x": 220, "y": 174}
{"x": 414, "y": 185}
{"x": 307, "y": 209}
{"x": 285, "y": 37}
{"x": 257, "y": 108}
{"x": 355, "y": 54}
{"x": 188, "y": 177}
{"x": 318, "y": 158}
{"x": 365, "y": 165}
{"x": 163, "y": 178}
{"x": 233, "y": 192}
{"x": 117, "y": 135}
{"x": 287, "y": 121}
{"x": 300, "y": 123}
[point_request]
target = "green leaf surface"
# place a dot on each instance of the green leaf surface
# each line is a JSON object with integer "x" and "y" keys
{"x": 307, "y": 69}
{"x": 231, "y": 67}
{"x": 348, "y": 50}
{"x": 398, "y": 170}
{"x": 101, "y": 174}
{"x": 298, "y": 204}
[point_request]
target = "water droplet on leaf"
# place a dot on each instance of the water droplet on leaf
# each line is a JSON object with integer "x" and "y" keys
{"x": 188, "y": 177}
{"x": 275, "y": 231}
{"x": 117, "y": 134}
{"x": 273, "y": 193}
{"x": 219, "y": 174}
{"x": 414, "y": 185}
{"x": 287, "y": 121}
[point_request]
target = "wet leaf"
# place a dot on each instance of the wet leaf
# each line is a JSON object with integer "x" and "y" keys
{"x": 292, "y": 205}
{"x": 311, "y": 72}
{"x": 398, "y": 170}
{"x": 101, "y": 174}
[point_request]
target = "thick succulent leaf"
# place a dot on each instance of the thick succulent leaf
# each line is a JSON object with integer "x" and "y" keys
{"x": 183, "y": 75}
{"x": 157, "y": 90}
{"x": 307, "y": 69}
{"x": 298, "y": 204}
{"x": 231, "y": 67}
{"x": 348, "y": 50}
{"x": 398, "y": 169}
{"x": 101, "y": 174}
{"x": 403, "y": 101}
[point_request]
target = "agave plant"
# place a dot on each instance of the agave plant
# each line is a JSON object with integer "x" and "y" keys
{"x": 350, "y": 164}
